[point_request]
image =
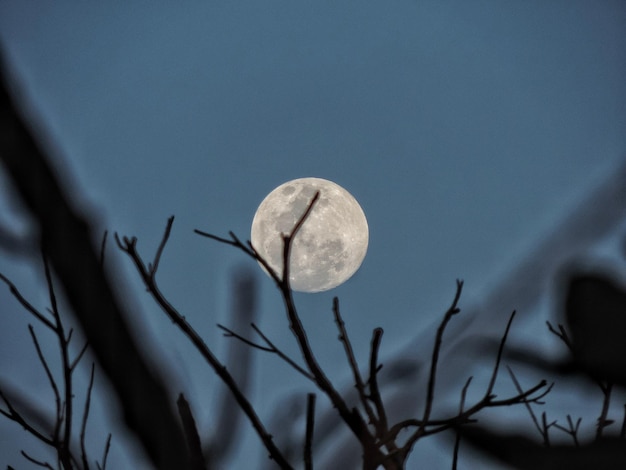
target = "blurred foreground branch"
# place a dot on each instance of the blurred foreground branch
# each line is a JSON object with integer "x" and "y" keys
{"x": 68, "y": 244}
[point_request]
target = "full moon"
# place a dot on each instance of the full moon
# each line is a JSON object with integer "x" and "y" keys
{"x": 328, "y": 248}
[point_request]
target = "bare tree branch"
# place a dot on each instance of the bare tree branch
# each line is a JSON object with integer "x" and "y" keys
{"x": 148, "y": 276}
{"x": 457, "y": 438}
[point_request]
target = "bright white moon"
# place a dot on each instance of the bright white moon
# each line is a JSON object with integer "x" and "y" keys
{"x": 331, "y": 244}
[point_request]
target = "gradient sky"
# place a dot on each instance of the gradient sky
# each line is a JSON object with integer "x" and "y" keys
{"x": 465, "y": 129}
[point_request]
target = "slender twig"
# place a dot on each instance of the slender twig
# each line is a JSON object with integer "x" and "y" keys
{"x": 129, "y": 246}
{"x": 543, "y": 431}
{"x": 288, "y": 240}
{"x": 375, "y": 396}
{"x": 435, "y": 426}
{"x": 457, "y": 439}
{"x": 105, "y": 454}
{"x": 360, "y": 386}
{"x": 310, "y": 425}
{"x": 572, "y": 429}
{"x": 64, "y": 449}
{"x": 494, "y": 374}
{"x": 246, "y": 248}
{"x": 453, "y": 310}
{"x": 79, "y": 357}
{"x": 271, "y": 348}
{"x": 602, "y": 419}
{"x": 152, "y": 267}
{"x": 281, "y": 354}
{"x": 83, "y": 426}
{"x": 14, "y": 415}
{"x": 228, "y": 333}
{"x": 24, "y": 303}
{"x": 40, "y": 463}
{"x": 561, "y": 334}
{"x": 53, "y": 384}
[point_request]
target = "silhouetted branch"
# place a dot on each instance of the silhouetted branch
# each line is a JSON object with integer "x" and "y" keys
{"x": 105, "y": 454}
{"x": 427, "y": 426}
{"x": 83, "y": 427}
{"x": 40, "y": 463}
{"x": 457, "y": 438}
{"x": 372, "y": 455}
{"x": 605, "y": 386}
{"x": 53, "y": 384}
{"x": 494, "y": 374}
{"x": 572, "y": 429}
{"x": 24, "y": 303}
{"x": 14, "y": 415}
{"x": 603, "y": 422}
{"x": 543, "y": 430}
{"x": 271, "y": 348}
{"x": 430, "y": 393}
{"x": 148, "y": 276}
{"x": 374, "y": 368}
{"x": 68, "y": 401}
{"x": 354, "y": 367}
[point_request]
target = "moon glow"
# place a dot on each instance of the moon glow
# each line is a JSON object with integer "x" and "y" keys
{"x": 331, "y": 244}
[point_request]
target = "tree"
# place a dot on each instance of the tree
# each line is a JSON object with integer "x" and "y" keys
{"x": 73, "y": 259}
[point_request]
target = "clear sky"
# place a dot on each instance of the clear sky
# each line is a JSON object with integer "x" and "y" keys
{"x": 465, "y": 129}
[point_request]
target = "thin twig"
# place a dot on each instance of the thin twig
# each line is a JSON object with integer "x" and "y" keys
{"x": 105, "y": 454}
{"x": 435, "y": 426}
{"x": 271, "y": 348}
{"x": 24, "y": 303}
{"x": 152, "y": 267}
{"x": 543, "y": 432}
{"x": 41, "y": 463}
{"x": 561, "y": 334}
{"x": 83, "y": 426}
{"x": 494, "y": 375}
{"x": 360, "y": 386}
{"x": 310, "y": 426}
{"x": 457, "y": 440}
{"x": 53, "y": 384}
{"x": 288, "y": 239}
{"x": 375, "y": 396}
{"x": 572, "y": 429}
{"x": 68, "y": 403}
{"x": 14, "y": 415}
{"x": 602, "y": 419}
{"x": 78, "y": 357}
{"x": 430, "y": 394}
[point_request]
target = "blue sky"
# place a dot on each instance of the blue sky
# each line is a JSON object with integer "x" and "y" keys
{"x": 465, "y": 129}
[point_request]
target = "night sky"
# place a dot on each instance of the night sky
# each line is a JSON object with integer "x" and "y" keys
{"x": 467, "y": 131}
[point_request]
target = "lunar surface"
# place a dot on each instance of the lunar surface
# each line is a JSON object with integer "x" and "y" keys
{"x": 331, "y": 244}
